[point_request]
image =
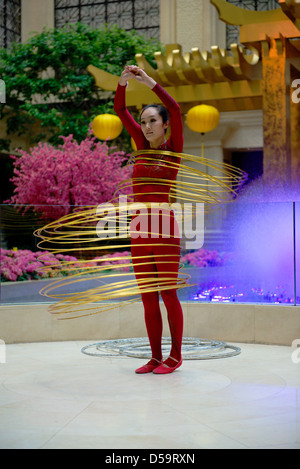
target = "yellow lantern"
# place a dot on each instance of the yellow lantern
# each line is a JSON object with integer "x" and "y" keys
{"x": 203, "y": 118}
{"x": 133, "y": 144}
{"x": 107, "y": 126}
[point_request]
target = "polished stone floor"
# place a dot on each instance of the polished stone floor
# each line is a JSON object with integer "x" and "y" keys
{"x": 53, "y": 396}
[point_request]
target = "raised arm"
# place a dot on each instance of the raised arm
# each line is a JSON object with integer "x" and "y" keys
{"x": 176, "y": 138}
{"x": 128, "y": 121}
{"x": 133, "y": 72}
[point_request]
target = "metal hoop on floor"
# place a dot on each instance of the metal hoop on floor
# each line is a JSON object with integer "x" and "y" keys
{"x": 192, "y": 348}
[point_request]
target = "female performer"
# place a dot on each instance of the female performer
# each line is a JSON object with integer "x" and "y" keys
{"x": 155, "y": 255}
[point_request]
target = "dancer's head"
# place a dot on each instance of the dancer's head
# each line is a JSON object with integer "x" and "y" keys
{"x": 154, "y": 122}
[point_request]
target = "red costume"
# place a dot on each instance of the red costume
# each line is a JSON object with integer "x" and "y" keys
{"x": 156, "y": 255}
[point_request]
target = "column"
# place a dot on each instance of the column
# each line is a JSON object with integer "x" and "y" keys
{"x": 191, "y": 23}
{"x": 198, "y": 25}
{"x": 295, "y": 132}
{"x": 276, "y": 111}
{"x": 168, "y": 23}
{"x": 36, "y": 15}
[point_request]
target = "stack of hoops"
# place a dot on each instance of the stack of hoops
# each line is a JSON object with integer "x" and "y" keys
{"x": 199, "y": 181}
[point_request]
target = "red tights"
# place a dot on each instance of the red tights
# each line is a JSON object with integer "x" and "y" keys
{"x": 158, "y": 265}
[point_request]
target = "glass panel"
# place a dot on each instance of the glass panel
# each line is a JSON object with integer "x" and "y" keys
{"x": 233, "y": 31}
{"x": 247, "y": 257}
{"x": 143, "y": 16}
{"x": 10, "y": 22}
{"x": 121, "y": 13}
{"x": 259, "y": 5}
{"x": 297, "y": 251}
{"x": 26, "y": 269}
{"x": 94, "y": 15}
{"x": 250, "y": 259}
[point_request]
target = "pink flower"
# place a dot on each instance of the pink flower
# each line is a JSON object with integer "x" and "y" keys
{"x": 55, "y": 180}
{"x": 25, "y": 264}
{"x": 203, "y": 258}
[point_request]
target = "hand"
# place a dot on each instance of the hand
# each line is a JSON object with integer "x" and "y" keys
{"x": 136, "y": 73}
{"x": 125, "y": 75}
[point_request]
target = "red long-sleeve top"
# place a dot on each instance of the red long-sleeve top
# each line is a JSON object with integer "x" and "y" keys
{"x": 146, "y": 170}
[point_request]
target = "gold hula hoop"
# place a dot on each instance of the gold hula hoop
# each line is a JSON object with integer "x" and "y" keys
{"x": 79, "y": 232}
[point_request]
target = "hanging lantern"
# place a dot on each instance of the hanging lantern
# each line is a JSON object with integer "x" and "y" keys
{"x": 133, "y": 144}
{"x": 203, "y": 118}
{"x": 107, "y": 126}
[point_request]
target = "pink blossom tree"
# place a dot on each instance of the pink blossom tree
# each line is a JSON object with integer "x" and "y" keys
{"x": 56, "y": 180}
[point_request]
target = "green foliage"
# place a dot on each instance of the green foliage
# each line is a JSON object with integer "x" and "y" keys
{"x": 47, "y": 81}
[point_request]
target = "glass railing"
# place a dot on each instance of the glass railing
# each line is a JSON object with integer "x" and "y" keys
{"x": 259, "y": 257}
{"x": 250, "y": 255}
{"x": 296, "y": 252}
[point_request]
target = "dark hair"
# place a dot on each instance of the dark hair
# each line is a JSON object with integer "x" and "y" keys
{"x": 160, "y": 109}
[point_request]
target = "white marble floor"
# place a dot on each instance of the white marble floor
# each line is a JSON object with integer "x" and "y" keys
{"x": 53, "y": 396}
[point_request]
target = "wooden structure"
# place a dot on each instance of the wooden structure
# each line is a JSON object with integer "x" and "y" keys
{"x": 258, "y": 73}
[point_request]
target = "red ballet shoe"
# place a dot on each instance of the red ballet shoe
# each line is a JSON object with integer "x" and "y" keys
{"x": 164, "y": 369}
{"x": 149, "y": 367}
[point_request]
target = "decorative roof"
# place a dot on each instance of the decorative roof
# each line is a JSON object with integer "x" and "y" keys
{"x": 231, "y": 80}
